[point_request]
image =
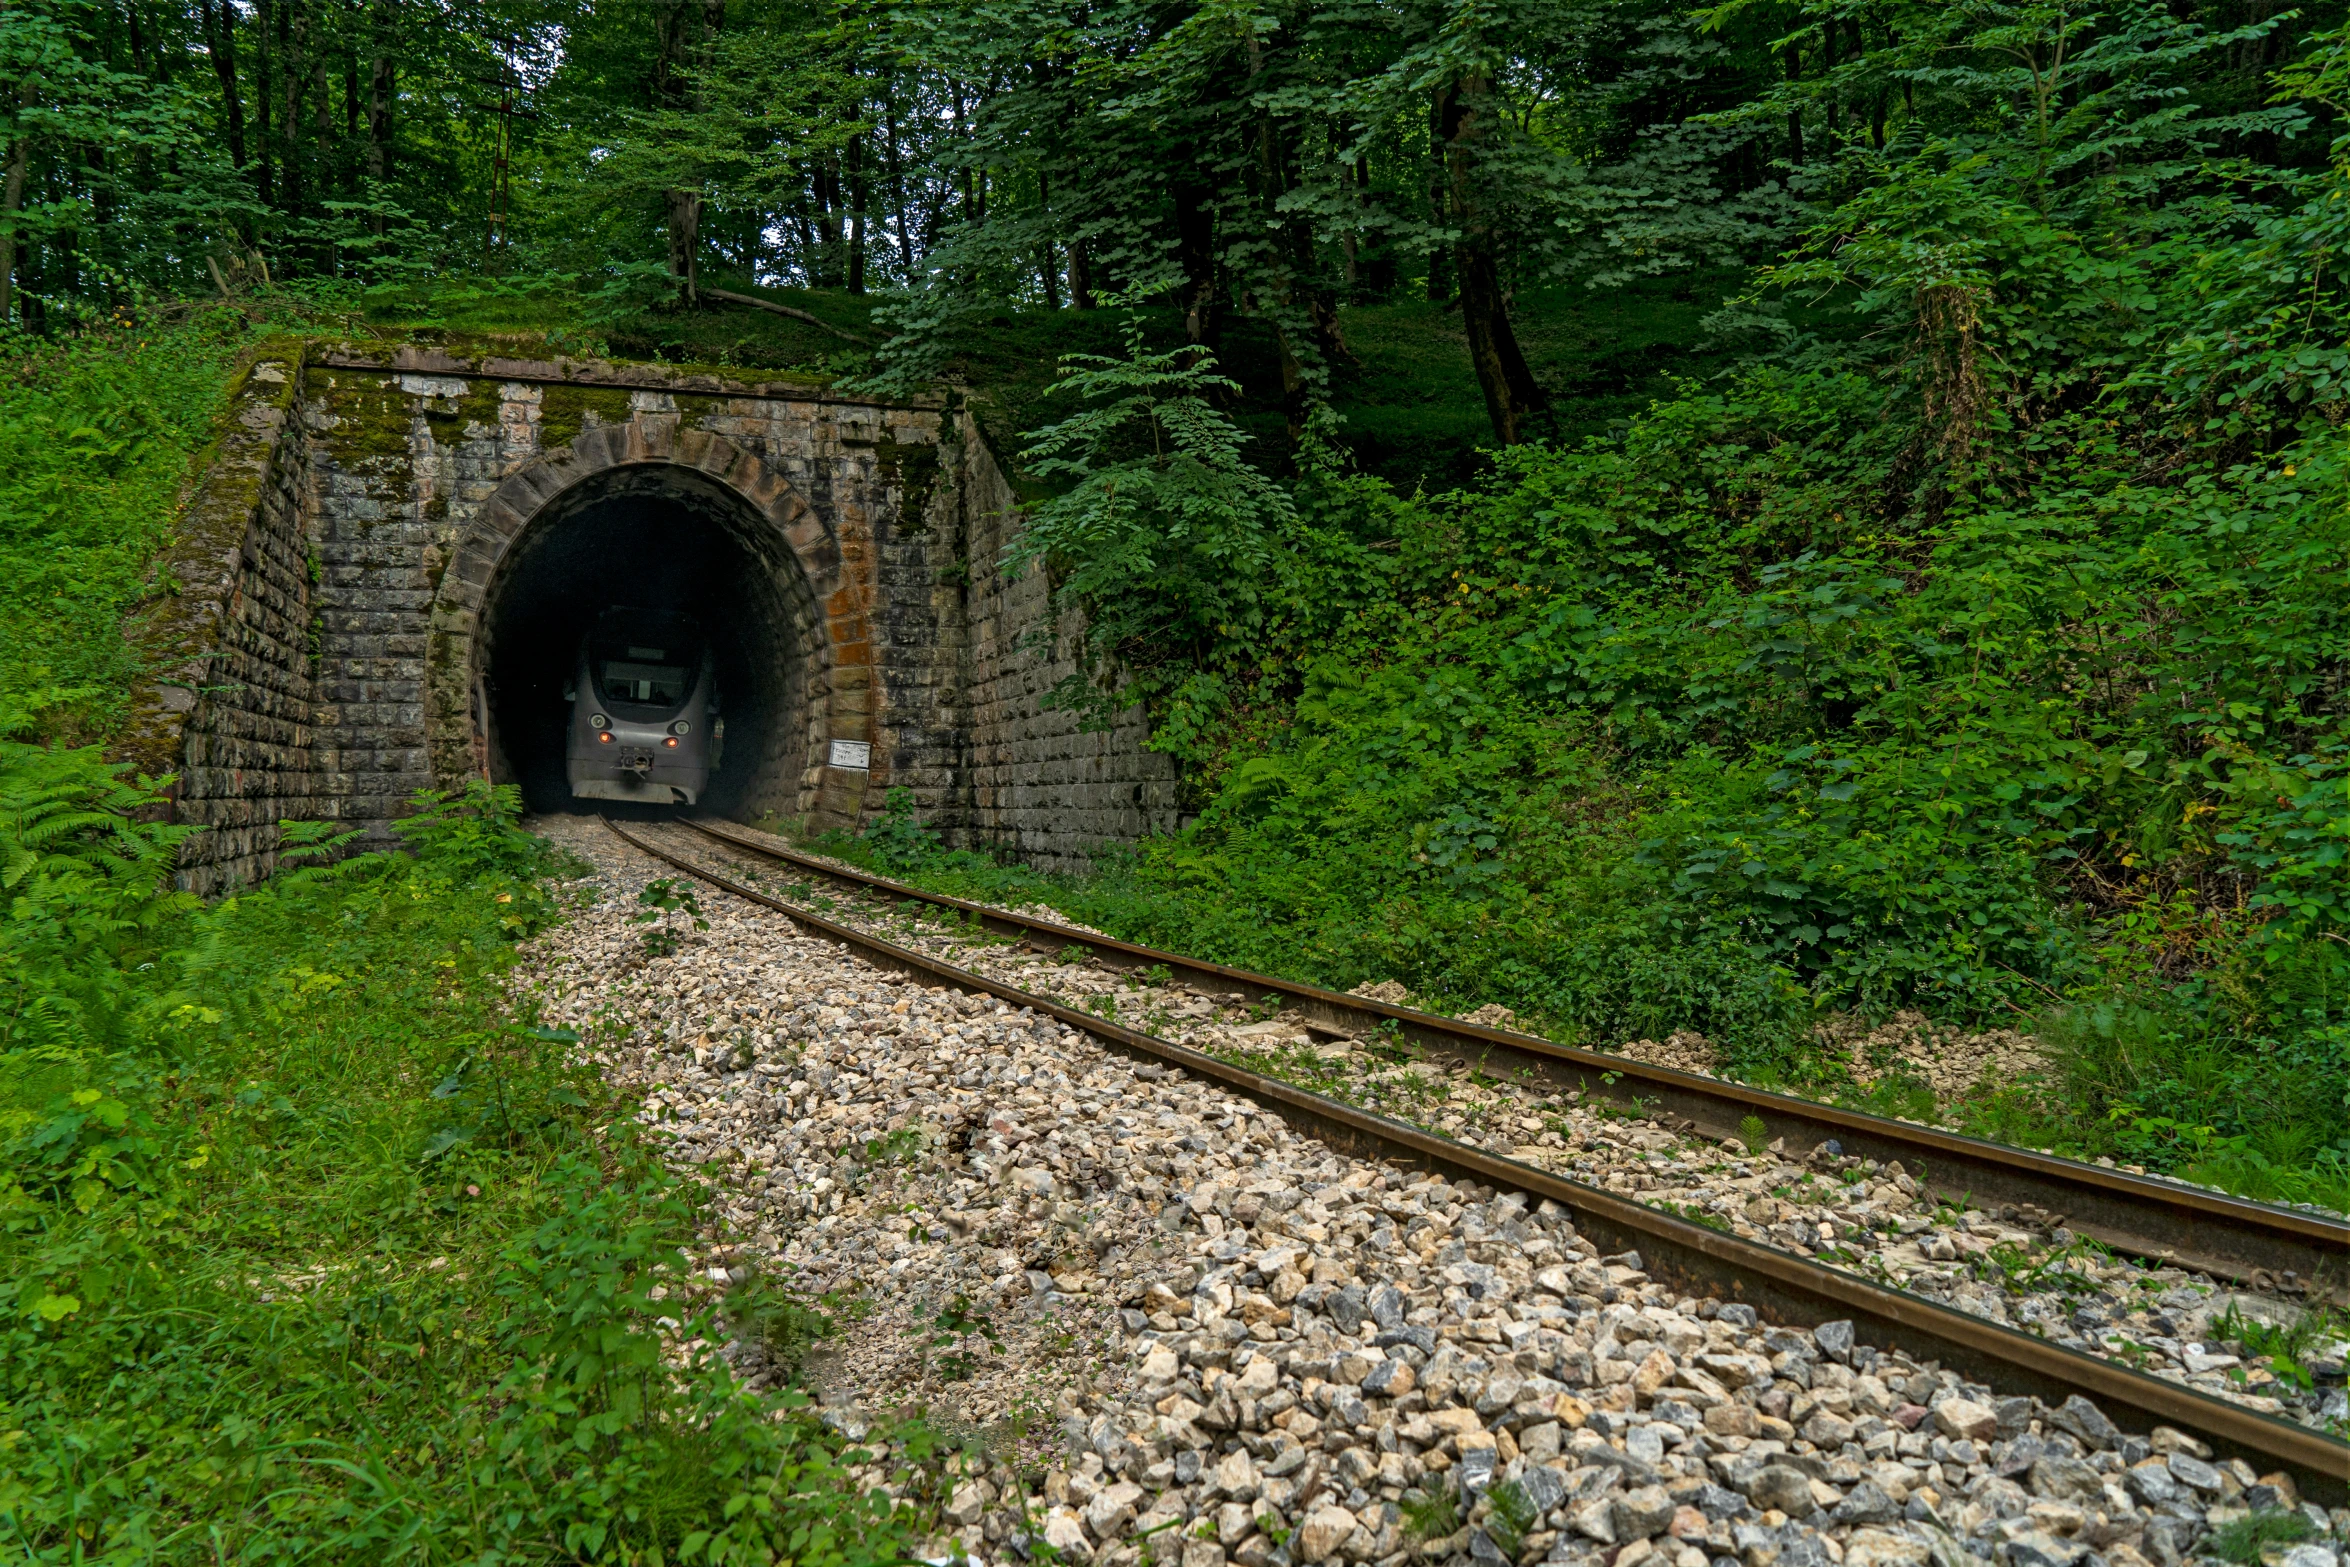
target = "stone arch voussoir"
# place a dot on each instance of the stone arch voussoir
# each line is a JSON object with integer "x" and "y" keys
{"x": 769, "y": 505}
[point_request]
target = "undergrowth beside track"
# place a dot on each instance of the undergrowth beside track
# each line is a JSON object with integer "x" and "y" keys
{"x": 1973, "y": 644}
{"x": 313, "y": 1251}
{"x": 2170, "y": 1082}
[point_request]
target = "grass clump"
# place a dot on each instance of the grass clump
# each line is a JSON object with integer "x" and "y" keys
{"x": 1431, "y": 1515}
{"x": 313, "y": 1251}
{"x": 2241, "y": 1542}
{"x": 98, "y": 435}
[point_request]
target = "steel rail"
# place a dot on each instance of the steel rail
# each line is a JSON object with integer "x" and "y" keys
{"x": 1690, "y": 1258}
{"x": 2144, "y": 1216}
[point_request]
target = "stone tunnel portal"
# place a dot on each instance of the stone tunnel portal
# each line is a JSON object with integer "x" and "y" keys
{"x": 386, "y": 568}
{"x": 661, "y": 537}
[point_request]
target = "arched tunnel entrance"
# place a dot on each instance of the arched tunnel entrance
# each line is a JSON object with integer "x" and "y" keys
{"x": 662, "y": 537}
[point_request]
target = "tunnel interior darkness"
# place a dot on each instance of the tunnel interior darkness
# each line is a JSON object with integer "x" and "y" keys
{"x": 663, "y": 543}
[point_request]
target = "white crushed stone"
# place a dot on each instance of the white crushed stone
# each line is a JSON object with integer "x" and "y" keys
{"x": 1232, "y": 1345}
{"x": 1954, "y": 1062}
{"x": 2014, "y": 1264}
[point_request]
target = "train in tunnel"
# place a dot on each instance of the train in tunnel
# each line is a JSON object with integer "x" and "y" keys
{"x": 645, "y": 725}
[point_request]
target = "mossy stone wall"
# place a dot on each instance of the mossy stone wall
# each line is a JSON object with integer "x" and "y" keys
{"x": 343, "y": 548}
{"x": 231, "y": 708}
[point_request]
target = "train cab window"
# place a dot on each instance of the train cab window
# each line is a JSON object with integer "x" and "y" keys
{"x": 658, "y": 685}
{"x": 644, "y": 658}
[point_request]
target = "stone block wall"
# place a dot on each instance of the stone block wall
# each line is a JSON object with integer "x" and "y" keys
{"x": 382, "y": 487}
{"x": 342, "y": 558}
{"x": 916, "y": 620}
{"x": 413, "y": 451}
{"x": 232, "y": 708}
{"x": 1041, "y": 788}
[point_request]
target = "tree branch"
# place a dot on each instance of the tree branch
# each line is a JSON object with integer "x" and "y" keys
{"x": 756, "y": 303}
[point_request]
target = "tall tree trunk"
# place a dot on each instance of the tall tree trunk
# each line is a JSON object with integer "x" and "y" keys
{"x": 379, "y": 131}
{"x": 1195, "y": 251}
{"x": 1512, "y": 396}
{"x": 1290, "y": 284}
{"x": 1835, "y": 109}
{"x": 1348, "y": 244}
{"x": 1048, "y": 266}
{"x": 685, "y": 222}
{"x": 1080, "y": 276}
{"x": 322, "y": 117}
{"x": 293, "y": 29}
{"x": 264, "y": 141}
{"x": 1860, "y": 49}
{"x": 11, "y": 203}
{"x": 680, "y": 35}
{"x": 897, "y": 180}
{"x": 1794, "y": 62}
{"x": 138, "y": 37}
{"x": 143, "y": 160}
{"x": 1439, "y": 284}
{"x": 220, "y": 42}
{"x": 825, "y": 186}
{"x": 955, "y": 120}
{"x": 856, "y": 214}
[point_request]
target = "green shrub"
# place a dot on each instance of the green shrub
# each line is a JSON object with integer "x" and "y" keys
{"x": 97, "y": 435}
{"x": 313, "y": 1251}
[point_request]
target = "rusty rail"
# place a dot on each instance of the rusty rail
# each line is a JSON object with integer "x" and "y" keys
{"x": 1780, "y": 1286}
{"x": 2144, "y": 1216}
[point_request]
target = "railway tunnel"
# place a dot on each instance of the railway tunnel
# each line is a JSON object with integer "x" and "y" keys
{"x": 385, "y": 570}
{"x": 662, "y": 538}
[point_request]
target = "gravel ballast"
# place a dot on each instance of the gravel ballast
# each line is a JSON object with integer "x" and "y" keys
{"x": 1176, "y": 1330}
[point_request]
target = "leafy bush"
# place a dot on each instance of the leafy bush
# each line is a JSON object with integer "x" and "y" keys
{"x": 1980, "y": 653}
{"x": 312, "y": 1251}
{"x": 81, "y": 876}
{"x": 97, "y": 436}
{"x": 897, "y": 840}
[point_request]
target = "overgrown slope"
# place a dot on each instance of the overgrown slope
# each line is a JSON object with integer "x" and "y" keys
{"x": 314, "y": 1251}
{"x": 1983, "y": 652}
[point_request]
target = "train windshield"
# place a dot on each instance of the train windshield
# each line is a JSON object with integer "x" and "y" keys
{"x": 644, "y": 659}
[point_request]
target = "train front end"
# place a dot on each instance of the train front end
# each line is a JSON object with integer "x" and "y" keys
{"x": 643, "y": 710}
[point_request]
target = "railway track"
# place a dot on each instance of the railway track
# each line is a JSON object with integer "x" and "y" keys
{"x": 1689, "y": 1256}
{"x": 2256, "y": 1244}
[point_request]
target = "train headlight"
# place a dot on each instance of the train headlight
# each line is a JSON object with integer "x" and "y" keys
{"x": 598, "y": 721}
{"x": 671, "y": 742}
{"x": 681, "y": 727}
{"x": 605, "y": 738}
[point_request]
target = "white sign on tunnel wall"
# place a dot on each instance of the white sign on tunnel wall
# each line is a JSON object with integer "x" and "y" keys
{"x": 852, "y": 753}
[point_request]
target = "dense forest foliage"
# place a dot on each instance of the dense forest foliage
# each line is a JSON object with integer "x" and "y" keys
{"x": 1908, "y": 569}
{"x": 1665, "y": 516}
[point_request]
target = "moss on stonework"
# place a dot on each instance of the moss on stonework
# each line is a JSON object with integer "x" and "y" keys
{"x": 177, "y": 629}
{"x": 694, "y": 407}
{"x": 566, "y": 410}
{"x": 373, "y": 417}
{"x": 912, "y": 469}
{"x": 450, "y": 417}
